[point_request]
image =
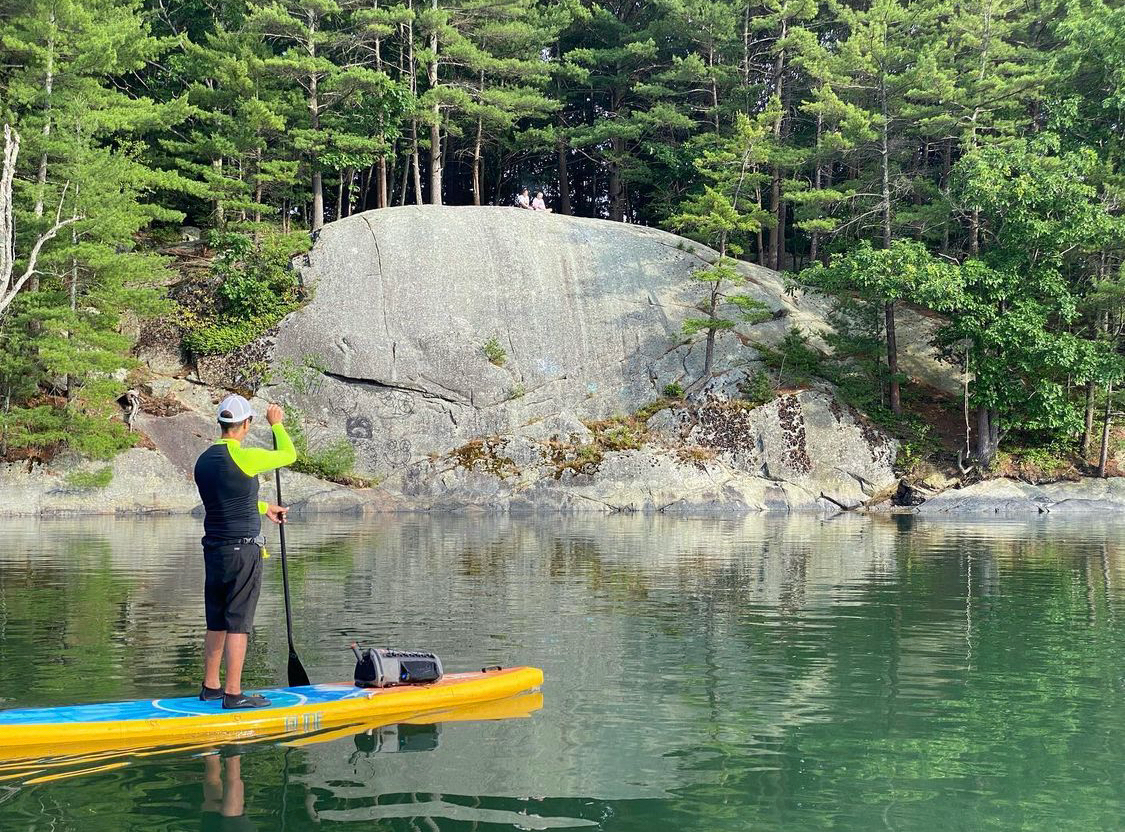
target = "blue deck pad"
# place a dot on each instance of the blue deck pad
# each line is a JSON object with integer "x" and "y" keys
{"x": 280, "y": 698}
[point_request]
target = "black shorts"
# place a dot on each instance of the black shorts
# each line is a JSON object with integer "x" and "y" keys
{"x": 233, "y": 581}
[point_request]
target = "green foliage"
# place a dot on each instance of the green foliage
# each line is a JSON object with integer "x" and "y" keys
{"x": 906, "y": 270}
{"x": 257, "y": 289}
{"x": 917, "y": 442}
{"x": 1016, "y": 305}
{"x": 618, "y": 434}
{"x": 674, "y": 390}
{"x": 89, "y": 480}
{"x": 758, "y": 389}
{"x": 334, "y": 461}
{"x": 494, "y": 352}
{"x": 226, "y": 337}
{"x": 652, "y": 408}
{"x": 961, "y": 158}
{"x": 1049, "y": 462}
{"x": 305, "y": 377}
{"x": 723, "y": 216}
{"x": 797, "y": 364}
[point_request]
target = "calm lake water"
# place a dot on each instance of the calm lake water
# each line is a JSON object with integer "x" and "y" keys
{"x": 758, "y": 674}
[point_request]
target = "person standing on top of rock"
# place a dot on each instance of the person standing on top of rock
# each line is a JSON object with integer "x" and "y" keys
{"x": 522, "y": 199}
{"x": 226, "y": 475}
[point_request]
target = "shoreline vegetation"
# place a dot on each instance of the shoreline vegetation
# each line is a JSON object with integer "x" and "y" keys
{"x": 962, "y": 161}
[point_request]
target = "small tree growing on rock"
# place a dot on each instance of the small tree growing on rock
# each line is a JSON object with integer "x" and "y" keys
{"x": 720, "y": 216}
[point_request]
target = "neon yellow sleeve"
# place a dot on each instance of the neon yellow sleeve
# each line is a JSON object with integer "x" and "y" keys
{"x": 262, "y": 506}
{"x": 254, "y": 461}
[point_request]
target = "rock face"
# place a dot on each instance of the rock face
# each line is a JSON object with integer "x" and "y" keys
{"x": 432, "y": 326}
{"x": 1009, "y": 497}
{"x": 712, "y": 458}
{"x": 431, "y": 329}
{"x": 143, "y": 482}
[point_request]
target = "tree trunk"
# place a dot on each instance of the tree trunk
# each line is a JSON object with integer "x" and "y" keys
{"x": 745, "y": 66}
{"x": 762, "y": 255}
{"x": 317, "y": 219}
{"x": 340, "y": 195}
{"x": 435, "y": 160}
{"x": 435, "y": 124}
{"x": 477, "y": 157}
{"x": 1088, "y": 428}
{"x": 985, "y": 450}
{"x": 366, "y": 177}
{"x": 48, "y": 90}
{"x": 946, "y": 169}
{"x": 965, "y": 403}
{"x": 35, "y": 327}
{"x": 382, "y": 196}
{"x": 814, "y": 242}
{"x": 777, "y": 237}
{"x": 241, "y": 180}
{"x": 885, "y": 164}
{"x": 564, "y": 180}
{"x": 616, "y": 188}
{"x": 892, "y": 359}
{"x": 414, "y": 160}
{"x": 68, "y": 380}
{"x": 1103, "y": 458}
{"x": 405, "y": 181}
{"x": 712, "y": 332}
{"x": 714, "y": 85}
{"x": 217, "y": 207}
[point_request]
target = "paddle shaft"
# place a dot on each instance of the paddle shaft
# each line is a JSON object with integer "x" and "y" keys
{"x": 297, "y": 674}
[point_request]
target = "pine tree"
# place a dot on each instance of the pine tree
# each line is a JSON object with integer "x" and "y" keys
{"x": 313, "y": 42}
{"x": 723, "y": 216}
{"x": 617, "y": 48}
{"x": 61, "y": 335}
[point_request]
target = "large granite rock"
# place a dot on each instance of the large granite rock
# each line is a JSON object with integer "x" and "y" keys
{"x": 434, "y": 328}
{"x": 1011, "y": 497}
{"x": 588, "y": 315}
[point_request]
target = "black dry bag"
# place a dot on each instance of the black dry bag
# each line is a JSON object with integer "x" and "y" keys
{"x": 380, "y": 667}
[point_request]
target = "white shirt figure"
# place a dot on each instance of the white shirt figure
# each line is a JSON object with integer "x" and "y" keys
{"x": 522, "y": 201}
{"x": 539, "y": 204}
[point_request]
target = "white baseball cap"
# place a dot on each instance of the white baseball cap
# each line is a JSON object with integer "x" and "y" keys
{"x": 234, "y": 409}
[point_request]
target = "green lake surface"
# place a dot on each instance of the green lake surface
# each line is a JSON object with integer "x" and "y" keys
{"x": 767, "y": 673}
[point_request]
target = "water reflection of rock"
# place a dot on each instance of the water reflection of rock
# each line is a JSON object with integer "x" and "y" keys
{"x": 601, "y": 604}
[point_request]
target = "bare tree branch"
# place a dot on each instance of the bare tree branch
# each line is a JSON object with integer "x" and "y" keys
{"x": 8, "y": 289}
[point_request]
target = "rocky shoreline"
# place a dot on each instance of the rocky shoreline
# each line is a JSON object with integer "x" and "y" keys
{"x": 146, "y": 482}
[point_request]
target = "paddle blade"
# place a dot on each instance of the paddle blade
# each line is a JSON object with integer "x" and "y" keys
{"x": 297, "y": 675}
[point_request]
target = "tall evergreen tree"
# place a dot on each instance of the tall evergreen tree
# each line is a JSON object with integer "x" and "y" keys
{"x": 62, "y": 335}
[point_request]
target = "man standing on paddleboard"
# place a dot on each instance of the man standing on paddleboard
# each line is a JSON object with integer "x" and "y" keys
{"x": 227, "y": 477}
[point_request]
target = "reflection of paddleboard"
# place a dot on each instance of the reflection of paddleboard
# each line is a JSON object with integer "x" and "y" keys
{"x": 31, "y": 733}
{"x": 513, "y": 707}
